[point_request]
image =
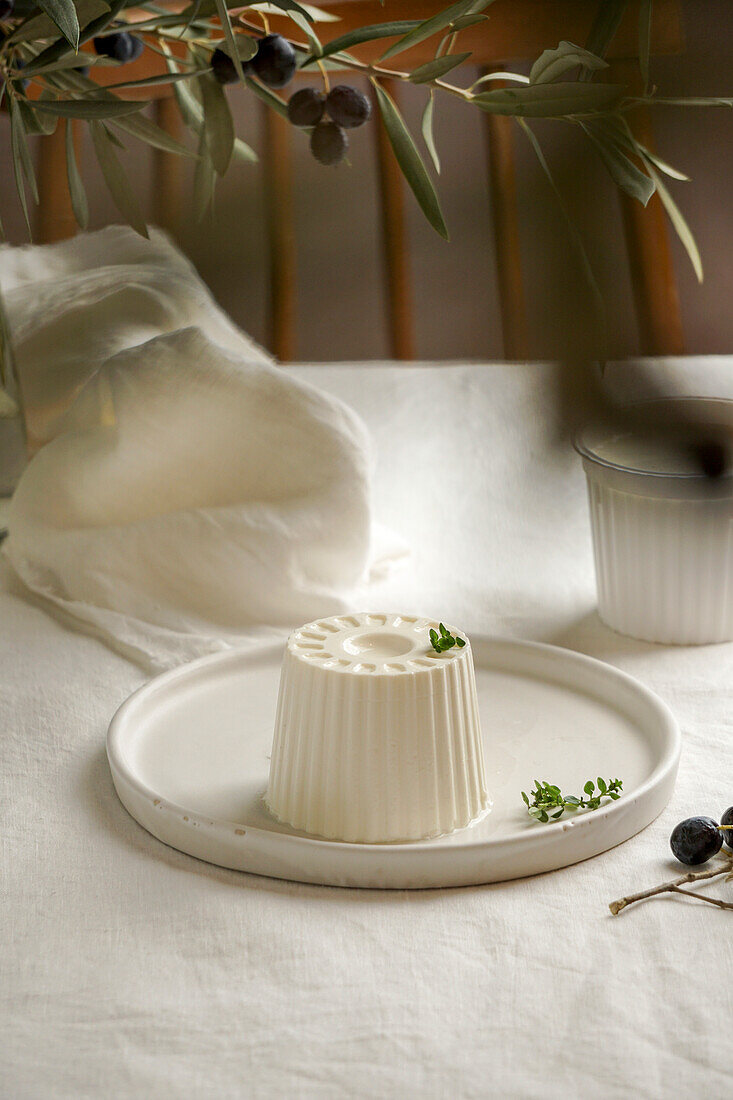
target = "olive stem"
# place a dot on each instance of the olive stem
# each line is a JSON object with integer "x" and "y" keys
{"x": 703, "y": 897}
{"x": 364, "y": 67}
{"x": 673, "y": 888}
{"x": 324, "y": 74}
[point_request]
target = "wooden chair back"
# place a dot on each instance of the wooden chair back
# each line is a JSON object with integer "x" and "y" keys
{"x": 520, "y": 30}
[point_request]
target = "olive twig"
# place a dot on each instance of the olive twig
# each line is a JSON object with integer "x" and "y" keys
{"x": 673, "y": 887}
{"x": 703, "y": 897}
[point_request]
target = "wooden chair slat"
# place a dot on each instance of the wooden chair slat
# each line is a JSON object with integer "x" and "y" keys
{"x": 505, "y": 220}
{"x": 54, "y": 218}
{"x": 646, "y": 230}
{"x": 281, "y": 233}
{"x": 168, "y": 170}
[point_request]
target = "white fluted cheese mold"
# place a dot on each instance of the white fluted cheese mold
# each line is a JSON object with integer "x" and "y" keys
{"x": 377, "y": 736}
{"x": 662, "y": 531}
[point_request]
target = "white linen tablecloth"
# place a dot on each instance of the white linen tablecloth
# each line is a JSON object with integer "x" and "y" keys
{"x": 131, "y": 970}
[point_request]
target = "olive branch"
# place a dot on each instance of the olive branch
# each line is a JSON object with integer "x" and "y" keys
{"x": 723, "y": 867}
{"x": 48, "y": 61}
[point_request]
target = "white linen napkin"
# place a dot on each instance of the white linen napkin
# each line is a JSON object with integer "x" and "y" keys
{"x": 187, "y": 494}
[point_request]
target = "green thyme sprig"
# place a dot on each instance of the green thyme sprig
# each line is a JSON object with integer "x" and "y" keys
{"x": 546, "y": 798}
{"x": 444, "y": 640}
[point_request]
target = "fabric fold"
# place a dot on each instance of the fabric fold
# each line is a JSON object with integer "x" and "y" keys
{"x": 187, "y": 494}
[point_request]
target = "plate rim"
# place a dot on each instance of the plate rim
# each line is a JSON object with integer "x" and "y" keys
{"x": 663, "y": 769}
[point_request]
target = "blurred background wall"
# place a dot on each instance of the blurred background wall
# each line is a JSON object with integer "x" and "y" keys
{"x": 341, "y": 304}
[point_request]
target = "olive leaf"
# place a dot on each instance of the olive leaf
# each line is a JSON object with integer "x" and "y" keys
{"x": 8, "y": 374}
{"x": 61, "y": 49}
{"x": 624, "y": 173}
{"x": 681, "y": 227}
{"x": 117, "y": 142}
{"x": 15, "y": 123}
{"x": 197, "y": 10}
{"x": 155, "y": 22}
{"x": 63, "y": 14}
{"x": 549, "y": 100}
{"x": 190, "y": 108}
{"x": 204, "y": 181}
{"x": 192, "y": 113}
{"x": 49, "y": 57}
{"x": 435, "y": 24}
{"x": 267, "y": 96}
{"x": 244, "y": 152}
{"x": 102, "y": 21}
{"x": 489, "y": 77}
{"x": 318, "y": 15}
{"x": 23, "y": 150}
{"x": 226, "y": 24}
{"x": 8, "y": 407}
{"x": 410, "y": 161}
{"x": 117, "y": 182}
{"x": 149, "y": 81}
{"x": 695, "y": 101}
{"x": 305, "y": 25}
{"x": 310, "y": 11}
{"x": 432, "y": 70}
{"x": 174, "y": 64}
{"x": 148, "y": 131}
{"x": 608, "y": 16}
{"x": 246, "y": 47}
{"x": 465, "y": 21}
{"x": 364, "y": 34}
{"x": 93, "y": 109}
{"x": 218, "y": 123}
{"x": 71, "y": 60}
{"x": 34, "y": 119}
{"x": 553, "y": 63}
{"x": 60, "y": 54}
{"x": 38, "y": 27}
{"x": 191, "y": 15}
{"x": 662, "y": 165}
{"x": 621, "y": 133}
{"x": 291, "y": 7}
{"x": 30, "y": 119}
{"x": 427, "y": 132}
{"x": 76, "y": 188}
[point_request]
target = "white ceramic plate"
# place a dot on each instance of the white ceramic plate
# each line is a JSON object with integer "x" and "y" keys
{"x": 189, "y": 758}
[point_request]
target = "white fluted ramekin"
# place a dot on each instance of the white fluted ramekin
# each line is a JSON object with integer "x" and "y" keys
{"x": 377, "y": 736}
{"x": 662, "y": 537}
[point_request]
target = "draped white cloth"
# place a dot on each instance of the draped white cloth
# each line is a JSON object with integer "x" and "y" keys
{"x": 188, "y": 494}
{"x": 130, "y": 970}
